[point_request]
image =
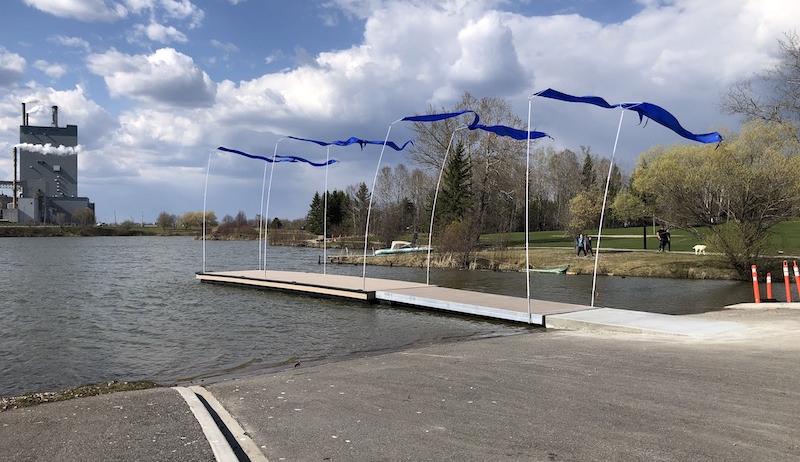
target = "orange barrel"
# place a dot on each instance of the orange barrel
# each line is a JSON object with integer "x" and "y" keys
{"x": 786, "y": 281}
{"x": 796, "y": 277}
{"x": 769, "y": 286}
{"x": 756, "y": 295}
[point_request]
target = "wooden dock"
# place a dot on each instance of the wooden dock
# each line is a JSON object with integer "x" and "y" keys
{"x": 417, "y": 295}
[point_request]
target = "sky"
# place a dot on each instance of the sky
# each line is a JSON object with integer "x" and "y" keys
{"x": 156, "y": 85}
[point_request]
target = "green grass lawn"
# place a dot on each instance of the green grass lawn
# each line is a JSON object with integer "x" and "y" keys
{"x": 784, "y": 237}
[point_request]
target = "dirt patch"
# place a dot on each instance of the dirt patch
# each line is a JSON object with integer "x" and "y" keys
{"x": 32, "y": 399}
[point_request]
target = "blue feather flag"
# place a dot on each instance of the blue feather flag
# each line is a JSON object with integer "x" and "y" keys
{"x": 500, "y": 130}
{"x": 645, "y": 110}
{"x": 278, "y": 158}
{"x": 353, "y": 140}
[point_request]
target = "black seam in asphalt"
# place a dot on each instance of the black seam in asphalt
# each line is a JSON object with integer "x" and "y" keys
{"x": 237, "y": 449}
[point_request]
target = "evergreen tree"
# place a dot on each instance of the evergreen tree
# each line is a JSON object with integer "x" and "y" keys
{"x": 314, "y": 217}
{"x": 588, "y": 178}
{"x": 359, "y": 208}
{"x": 456, "y": 195}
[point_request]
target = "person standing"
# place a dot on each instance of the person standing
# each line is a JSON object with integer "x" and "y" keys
{"x": 668, "y": 238}
{"x": 660, "y": 235}
{"x": 587, "y": 245}
{"x": 579, "y": 244}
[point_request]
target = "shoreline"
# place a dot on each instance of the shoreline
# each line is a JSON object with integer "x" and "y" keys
{"x": 472, "y": 400}
{"x": 35, "y": 398}
{"x": 612, "y": 263}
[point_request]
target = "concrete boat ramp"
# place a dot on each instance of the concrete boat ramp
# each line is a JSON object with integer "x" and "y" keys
{"x": 465, "y": 302}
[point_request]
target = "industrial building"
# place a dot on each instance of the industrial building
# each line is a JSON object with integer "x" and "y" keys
{"x": 44, "y": 189}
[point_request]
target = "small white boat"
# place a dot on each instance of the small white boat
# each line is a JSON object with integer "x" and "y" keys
{"x": 400, "y": 247}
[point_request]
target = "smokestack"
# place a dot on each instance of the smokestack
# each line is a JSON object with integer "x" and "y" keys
{"x": 55, "y": 116}
{"x": 14, "y": 184}
{"x": 24, "y": 115}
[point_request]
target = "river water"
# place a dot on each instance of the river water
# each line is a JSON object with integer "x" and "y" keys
{"x": 84, "y": 310}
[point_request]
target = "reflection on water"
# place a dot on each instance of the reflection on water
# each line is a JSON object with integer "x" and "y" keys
{"x": 79, "y": 310}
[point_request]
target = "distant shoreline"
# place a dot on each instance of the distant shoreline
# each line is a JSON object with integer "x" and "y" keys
{"x": 90, "y": 231}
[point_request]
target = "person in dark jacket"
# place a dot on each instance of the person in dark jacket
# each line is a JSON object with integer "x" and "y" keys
{"x": 579, "y": 244}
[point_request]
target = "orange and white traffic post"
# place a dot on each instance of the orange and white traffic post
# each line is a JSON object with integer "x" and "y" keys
{"x": 756, "y": 294}
{"x": 796, "y": 277}
{"x": 769, "y": 286}
{"x": 786, "y": 283}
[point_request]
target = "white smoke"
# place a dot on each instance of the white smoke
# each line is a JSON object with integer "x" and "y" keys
{"x": 48, "y": 148}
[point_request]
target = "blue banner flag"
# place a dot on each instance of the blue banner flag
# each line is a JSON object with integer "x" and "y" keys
{"x": 353, "y": 140}
{"x": 500, "y": 130}
{"x": 278, "y": 158}
{"x": 442, "y": 116}
{"x": 648, "y": 110}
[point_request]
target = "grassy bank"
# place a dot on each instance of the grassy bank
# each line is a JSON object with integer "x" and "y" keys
{"x": 616, "y": 263}
{"x": 783, "y": 238}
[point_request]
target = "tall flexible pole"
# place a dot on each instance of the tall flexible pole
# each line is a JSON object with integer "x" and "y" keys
{"x": 369, "y": 207}
{"x": 527, "y": 211}
{"x": 266, "y": 212}
{"x": 435, "y": 197}
{"x": 261, "y": 214}
{"x": 325, "y": 216}
{"x": 603, "y": 209}
{"x": 205, "y": 195}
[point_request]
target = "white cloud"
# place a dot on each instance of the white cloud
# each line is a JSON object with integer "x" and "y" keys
{"x": 165, "y": 77}
{"x": 83, "y": 10}
{"x": 159, "y": 33}
{"x": 682, "y": 55}
{"x": 72, "y": 42}
{"x": 226, "y": 47}
{"x": 12, "y": 66}
{"x": 184, "y": 9}
{"x": 53, "y": 70}
{"x": 274, "y": 56}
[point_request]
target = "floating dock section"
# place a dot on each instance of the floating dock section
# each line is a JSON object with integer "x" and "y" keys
{"x": 404, "y": 293}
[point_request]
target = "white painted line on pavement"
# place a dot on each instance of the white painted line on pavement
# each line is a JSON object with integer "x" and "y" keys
{"x": 222, "y": 450}
{"x": 247, "y": 444}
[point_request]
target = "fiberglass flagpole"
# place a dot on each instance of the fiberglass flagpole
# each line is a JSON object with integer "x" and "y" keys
{"x": 435, "y": 197}
{"x": 527, "y": 209}
{"x": 369, "y": 207}
{"x": 261, "y": 213}
{"x": 603, "y": 209}
{"x": 205, "y": 195}
{"x": 325, "y": 215}
{"x": 269, "y": 192}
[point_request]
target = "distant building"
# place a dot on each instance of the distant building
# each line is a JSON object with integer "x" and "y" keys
{"x": 47, "y": 189}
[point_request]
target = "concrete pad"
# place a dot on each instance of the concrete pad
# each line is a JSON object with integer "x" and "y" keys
{"x": 545, "y": 396}
{"x": 137, "y": 425}
{"x": 611, "y": 319}
{"x": 765, "y": 306}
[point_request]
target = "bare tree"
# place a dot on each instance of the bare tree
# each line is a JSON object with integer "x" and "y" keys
{"x": 772, "y": 96}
